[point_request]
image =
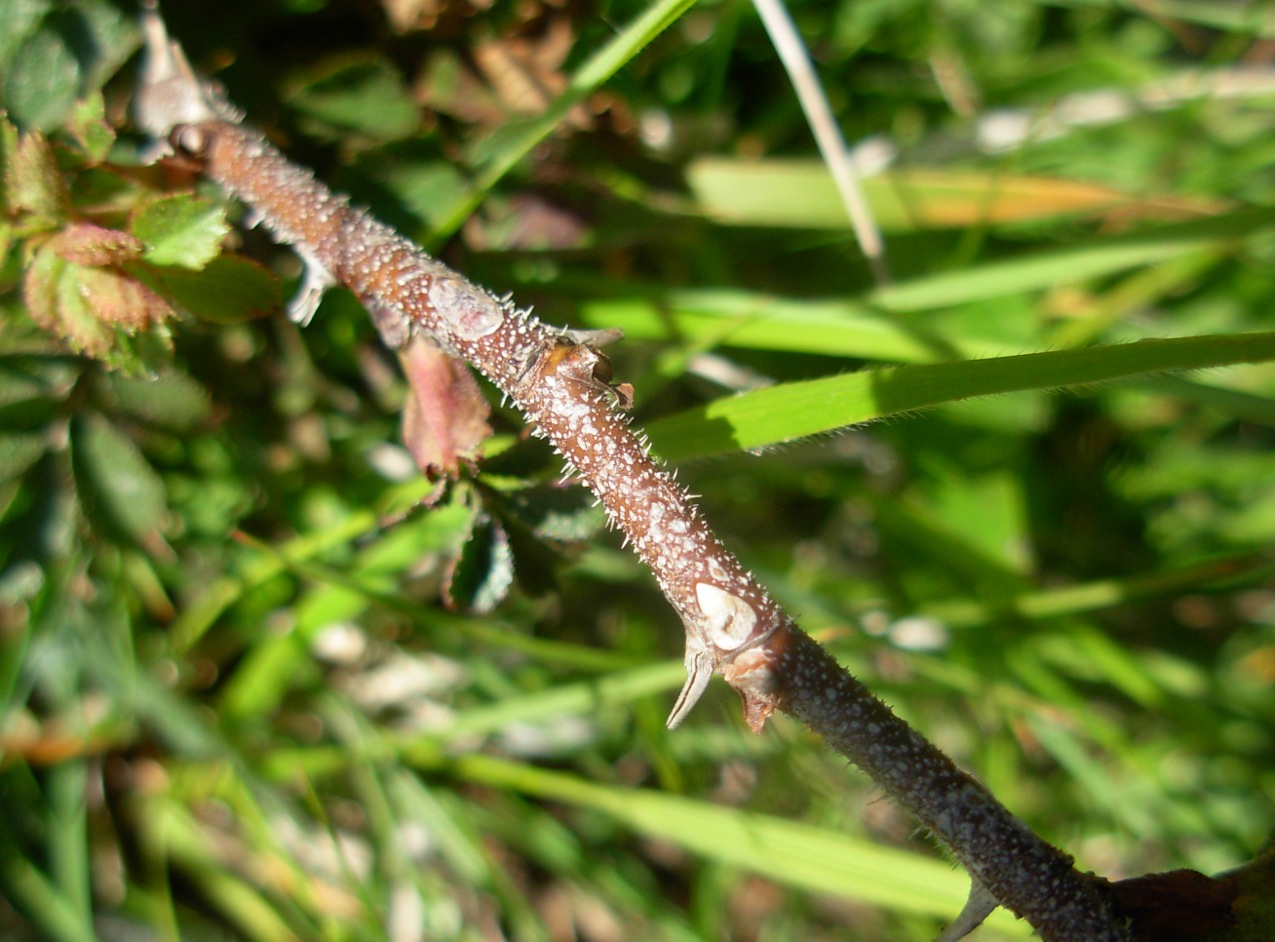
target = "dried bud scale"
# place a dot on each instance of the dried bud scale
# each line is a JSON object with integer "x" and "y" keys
{"x": 562, "y": 384}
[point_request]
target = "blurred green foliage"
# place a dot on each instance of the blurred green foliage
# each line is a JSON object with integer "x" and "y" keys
{"x": 232, "y": 704}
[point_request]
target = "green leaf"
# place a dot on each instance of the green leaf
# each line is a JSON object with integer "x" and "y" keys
{"x": 117, "y": 486}
{"x": 19, "y": 451}
{"x": 556, "y": 512}
{"x": 21, "y": 18}
{"x": 180, "y": 229}
{"x": 43, "y": 80}
{"x": 89, "y": 129}
{"x": 795, "y": 410}
{"x": 35, "y": 184}
{"x": 172, "y": 400}
{"x": 102, "y": 37}
{"x": 229, "y": 290}
{"x": 535, "y": 517}
{"x": 481, "y": 574}
{"x": 366, "y": 98}
{"x": 52, "y": 56}
{"x": 32, "y": 389}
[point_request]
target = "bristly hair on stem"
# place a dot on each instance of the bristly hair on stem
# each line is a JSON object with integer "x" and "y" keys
{"x": 562, "y": 384}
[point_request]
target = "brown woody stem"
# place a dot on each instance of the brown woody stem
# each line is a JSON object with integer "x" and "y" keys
{"x": 732, "y": 626}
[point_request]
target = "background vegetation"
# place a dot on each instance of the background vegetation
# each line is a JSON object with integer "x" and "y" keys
{"x": 234, "y": 701}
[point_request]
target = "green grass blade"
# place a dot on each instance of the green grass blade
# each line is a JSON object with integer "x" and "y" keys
{"x": 1092, "y": 259}
{"x": 68, "y": 834}
{"x": 204, "y": 610}
{"x": 30, "y": 891}
{"x": 757, "y": 321}
{"x": 1256, "y": 19}
{"x": 802, "y": 194}
{"x": 1100, "y": 594}
{"x": 809, "y": 858}
{"x": 581, "y": 698}
{"x": 868, "y": 328}
{"x": 244, "y": 905}
{"x": 795, "y": 410}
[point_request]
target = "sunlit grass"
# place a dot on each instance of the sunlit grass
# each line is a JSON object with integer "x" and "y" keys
{"x": 259, "y": 721}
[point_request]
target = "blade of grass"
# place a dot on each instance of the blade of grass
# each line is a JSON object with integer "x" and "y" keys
{"x": 795, "y": 410}
{"x": 861, "y": 328}
{"x": 1233, "y": 402}
{"x": 801, "y": 194}
{"x": 394, "y": 795}
{"x": 741, "y": 319}
{"x": 1091, "y": 259}
{"x": 1105, "y": 593}
{"x": 582, "y": 698}
{"x": 200, "y": 615}
{"x": 68, "y": 837}
{"x": 187, "y": 847}
{"x": 832, "y": 145}
{"x": 799, "y": 855}
{"x": 270, "y": 667}
{"x": 1255, "y": 19}
{"x": 39, "y": 900}
{"x": 803, "y": 856}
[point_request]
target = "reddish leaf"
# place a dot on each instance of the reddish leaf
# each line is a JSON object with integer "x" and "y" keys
{"x": 86, "y": 244}
{"x": 83, "y": 305}
{"x": 116, "y": 298}
{"x": 42, "y": 291}
{"x": 445, "y": 420}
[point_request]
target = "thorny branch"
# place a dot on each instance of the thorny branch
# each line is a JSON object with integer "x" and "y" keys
{"x": 563, "y": 388}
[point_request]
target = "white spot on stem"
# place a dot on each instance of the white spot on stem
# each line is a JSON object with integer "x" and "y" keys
{"x": 468, "y": 312}
{"x": 730, "y": 619}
